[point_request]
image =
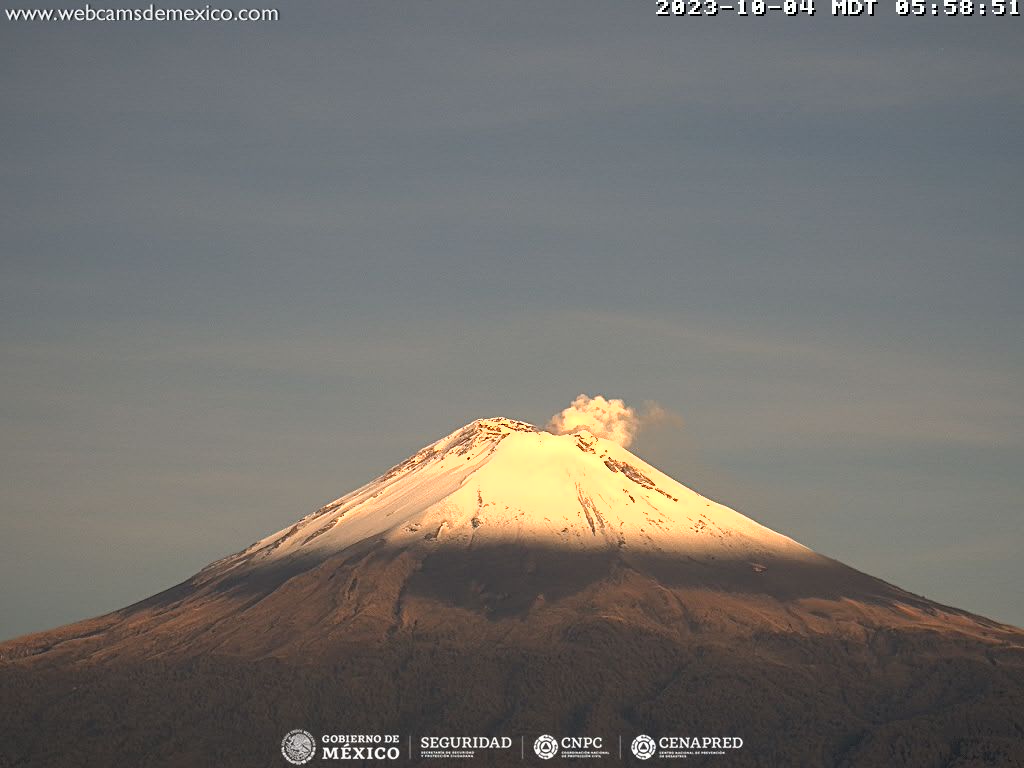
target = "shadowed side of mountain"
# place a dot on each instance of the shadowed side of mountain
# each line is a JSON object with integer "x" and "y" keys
{"x": 306, "y": 608}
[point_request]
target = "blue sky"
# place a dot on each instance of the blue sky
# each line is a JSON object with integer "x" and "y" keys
{"x": 245, "y": 268}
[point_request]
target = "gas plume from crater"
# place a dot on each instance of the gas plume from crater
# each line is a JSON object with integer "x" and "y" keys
{"x": 610, "y": 419}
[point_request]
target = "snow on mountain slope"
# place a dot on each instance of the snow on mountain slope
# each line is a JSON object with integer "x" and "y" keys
{"x": 500, "y": 481}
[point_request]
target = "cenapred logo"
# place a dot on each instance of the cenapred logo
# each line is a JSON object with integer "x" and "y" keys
{"x": 298, "y": 747}
{"x": 681, "y": 747}
{"x": 643, "y": 747}
{"x": 546, "y": 747}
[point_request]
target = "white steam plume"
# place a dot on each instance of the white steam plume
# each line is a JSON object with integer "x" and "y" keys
{"x": 610, "y": 419}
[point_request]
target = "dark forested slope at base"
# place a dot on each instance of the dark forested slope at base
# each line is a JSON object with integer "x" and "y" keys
{"x": 811, "y": 665}
{"x": 907, "y": 701}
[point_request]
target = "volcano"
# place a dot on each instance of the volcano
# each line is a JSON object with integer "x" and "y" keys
{"x": 506, "y": 581}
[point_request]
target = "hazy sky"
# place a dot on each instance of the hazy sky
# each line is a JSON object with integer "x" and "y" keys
{"x": 246, "y": 268}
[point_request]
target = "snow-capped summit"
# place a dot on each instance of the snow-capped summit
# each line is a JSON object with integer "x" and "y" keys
{"x": 501, "y": 481}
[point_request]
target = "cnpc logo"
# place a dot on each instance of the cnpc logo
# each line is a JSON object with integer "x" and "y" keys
{"x": 546, "y": 747}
